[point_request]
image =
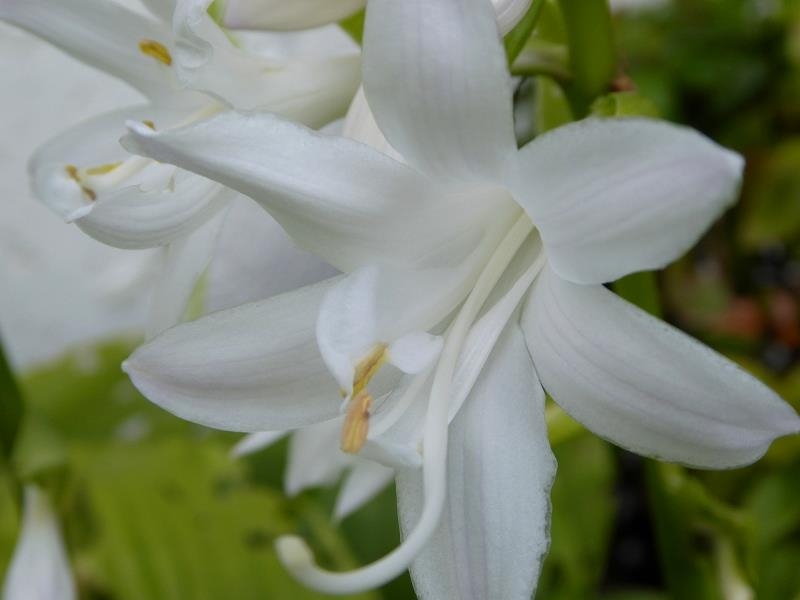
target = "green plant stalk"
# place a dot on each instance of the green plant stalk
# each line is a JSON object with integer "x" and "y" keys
{"x": 516, "y": 39}
{"x": 592, "y": 53}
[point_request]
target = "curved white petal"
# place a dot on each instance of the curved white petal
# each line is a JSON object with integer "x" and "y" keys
{"x": 130, "y": 213}
{"x": 251, "y": 368}
{"x": 280, "y": 15}
{"x": 104, "y": 35}
{"x": 435, "y": 76}
{"x": 494, "y": 532}
{"x": 134, "y": 218}
{"x": 393, "y": 307}
{"x": 39, "y": 569}
{"x": 311, "y": 91}
{"x": 256, "y": 259}
{"x": 364, "y": 481}
{"x": 340, "y": 199}
{"x": 360, "y": 125}
{"x": 184, "y": 262}
{"x": 255, "y": 442}
{"x": 314, "y": 457}
{"x": 397, "y": 423}
{"x": 643, "y": 384}
{"x": 509, "y": 13}
{"x": 615, "y": 196}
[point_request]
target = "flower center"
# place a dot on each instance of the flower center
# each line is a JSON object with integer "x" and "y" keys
{"x": 356, "y": 422}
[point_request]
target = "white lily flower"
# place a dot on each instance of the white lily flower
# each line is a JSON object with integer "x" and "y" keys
{"x": 453, "y": 242}
{"x": 187, "y": 72}
{"x": 40, "y": 568}
{"x": 277, "y": 15}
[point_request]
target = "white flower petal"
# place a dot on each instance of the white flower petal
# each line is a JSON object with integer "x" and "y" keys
{"x": 310, "y": 91}
{"x": 611, "y": 197}
{"x": 279, "y": 15}
{"x": 365, "y": 481}
{"x": 251, "y": 368}
{"x": 184, "y": 262}
{"x": 435, "y": 76}
{"x": 39, "y": 569}
{"x": 256, "y": 259}
{"x": 509, "y": 13}
{"x": 387, "y": 306}
{"x": 415, "y": 351}
{"x": 494, "y": 532}
{"x": 104, "y": 35}
{"x": 162, "y": 9}
{"x": 643, "y": 384}
{"x": 255, "y": 442}
{"x": 314, "y": 457}
{"x": 136, "y": 219}
{"x": 360, "y": 125}
{"x": 135, "y": 213}
{"x": 337, "y": 198}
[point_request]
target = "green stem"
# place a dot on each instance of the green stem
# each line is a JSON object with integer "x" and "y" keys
{"x": 516, "y": 38}
{"x": 591, "y": 50}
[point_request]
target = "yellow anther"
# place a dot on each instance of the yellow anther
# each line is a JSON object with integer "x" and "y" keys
{"x": 368, "y": 367}
{"x": 356, "y": 423}
{"x": 156, "y": 50}
{"x": 102, "y": 169}
{"x": 74, "y": 174}
{"x": 150, "y": 124}
{"x": 72, "y": 171}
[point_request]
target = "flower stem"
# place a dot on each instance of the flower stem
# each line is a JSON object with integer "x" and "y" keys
{"x": 592, "y": 53}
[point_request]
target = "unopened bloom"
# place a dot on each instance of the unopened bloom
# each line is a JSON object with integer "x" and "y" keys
{"x": 40, "y": 568}
{"x": 477, "y": 269}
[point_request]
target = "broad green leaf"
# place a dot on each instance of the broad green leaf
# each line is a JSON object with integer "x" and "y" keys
{"x": 177, "y": 519}
{"x": 85, "y": 395}
{"x": 774, "y": 552}
{"x": 583, "y": 511}
{"x": 684, "y": 548}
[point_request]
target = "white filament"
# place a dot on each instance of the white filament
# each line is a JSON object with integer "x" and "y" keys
{"x": 293, "y": 551}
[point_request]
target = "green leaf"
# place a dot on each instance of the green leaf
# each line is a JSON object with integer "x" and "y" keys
{"x": 624, "y": 104}
{"x": 176, "y": 519}
{"x": 10, "y": 407}
{"x": 84, "y": 395}
{"x": 685, "y": 549}
{"x": 583, "y": 510}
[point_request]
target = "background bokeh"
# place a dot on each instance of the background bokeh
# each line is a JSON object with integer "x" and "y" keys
{"x": 155, "y": 508}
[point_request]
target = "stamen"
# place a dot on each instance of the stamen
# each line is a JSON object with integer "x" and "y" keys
{"x": 368, "y": 367}
{"x": 156, "y": 50}
{"x": 150, "y": 124}
{"x": 74, "y": 174}
{"x": 295, "y": 554}
{"x": 356, "y": 423}
{"x": 102, "y": 169}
